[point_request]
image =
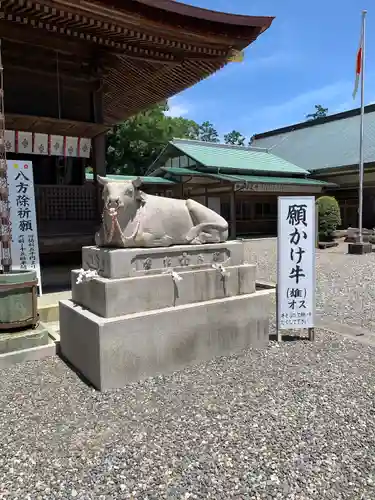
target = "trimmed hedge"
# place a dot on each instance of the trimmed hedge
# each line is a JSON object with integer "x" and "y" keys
{"x": 329, "y": 217}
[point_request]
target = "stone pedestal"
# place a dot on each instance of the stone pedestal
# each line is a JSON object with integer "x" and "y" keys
{"x": 138, "y": 319}
{"x": 358, "y": 248}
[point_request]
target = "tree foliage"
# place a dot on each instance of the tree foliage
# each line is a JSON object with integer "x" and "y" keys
{"x": 208, "y": 133}
{"x": 320, "y": 112}
{"x": 135, "y": 143}
{"x": 235, "y": 138}
{"x": 329, "y": 216}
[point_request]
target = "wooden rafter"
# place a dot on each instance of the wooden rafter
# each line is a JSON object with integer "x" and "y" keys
{"x": 53, "y": 126}
{"x": 141, "y": 57}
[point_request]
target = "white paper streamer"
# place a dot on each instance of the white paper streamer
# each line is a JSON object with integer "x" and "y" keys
{"x": 85, "y": 276}
{"x": 219, "y": 267}
{"x": 175, "y": 276}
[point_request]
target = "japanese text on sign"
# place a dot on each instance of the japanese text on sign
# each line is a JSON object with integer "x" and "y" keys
{"x": 25, "y": 249}
{"x": 296, "y": 262}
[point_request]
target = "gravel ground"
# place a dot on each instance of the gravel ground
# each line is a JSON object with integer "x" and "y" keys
{"x": 345, "y": 283}
{"x": 293, "y": 421}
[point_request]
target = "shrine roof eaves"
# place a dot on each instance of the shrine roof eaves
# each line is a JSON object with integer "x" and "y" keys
{"x": 194, "y": 13}
{"x": 150, "y": 51}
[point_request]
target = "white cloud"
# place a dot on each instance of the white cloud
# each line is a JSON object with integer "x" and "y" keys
{"x": 177, "y": 107}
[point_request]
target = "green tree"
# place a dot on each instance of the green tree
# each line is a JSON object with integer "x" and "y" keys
{"x": 235, "y": 138}
{"x": 208, "y": 133}
{"x": 135, "y": 143}
{"x": 329, "y": 217}
{"x": 184, "y": 129}
{"x": 320, "y": 112}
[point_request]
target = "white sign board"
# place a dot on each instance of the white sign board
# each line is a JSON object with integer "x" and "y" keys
{"x": 25, "y": 247}
{"x": 277, "y": 188}
{"x": 296, "y": 262}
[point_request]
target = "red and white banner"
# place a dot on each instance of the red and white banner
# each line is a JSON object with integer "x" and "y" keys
{"x": 48, "y": 145}
{"x": 10, "y": 141}
{"x": 24, "y": 142}
{"x": 40, "y": 144}
{"x": 359, "y": 59}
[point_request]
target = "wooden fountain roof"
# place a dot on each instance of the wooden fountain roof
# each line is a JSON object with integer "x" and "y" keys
{"x": 148, "y": 51}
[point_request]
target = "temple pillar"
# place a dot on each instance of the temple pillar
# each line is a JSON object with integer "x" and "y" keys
{"x": 233, "y": 229}
{"x": 98, "y": 146}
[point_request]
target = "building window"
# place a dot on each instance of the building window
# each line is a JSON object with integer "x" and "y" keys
{"x": 266, "y": 210}
{"x": 258, "y": 210}
{"x": 225, "y": 210}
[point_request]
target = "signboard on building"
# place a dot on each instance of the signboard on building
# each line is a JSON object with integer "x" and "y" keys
{"x": 296, "y": 239}
{"x": 25, "y": 247}
{"x": 277, "y": 188}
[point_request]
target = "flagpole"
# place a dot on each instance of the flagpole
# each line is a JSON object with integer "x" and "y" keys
{"x": 361, "y": 174}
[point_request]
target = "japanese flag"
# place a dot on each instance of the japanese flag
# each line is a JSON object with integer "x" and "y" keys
{"x": 359, "y": 60}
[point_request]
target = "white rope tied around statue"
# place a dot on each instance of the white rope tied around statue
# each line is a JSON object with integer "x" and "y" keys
{"x": 112, "y": 212}
{"x": 175, "y": 276}
{"x": 219, "y": 267}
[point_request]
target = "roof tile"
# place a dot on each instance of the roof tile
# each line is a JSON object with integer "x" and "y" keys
{"x": 236, "y": 158}
{"x": 324, "y": 145}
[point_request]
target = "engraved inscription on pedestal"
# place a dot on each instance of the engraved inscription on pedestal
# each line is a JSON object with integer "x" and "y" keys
{"x": 184, "y": 259}
{"x": 93, "y": 261}
{"x": 216, "y": 257}
{"x": 122, "y": 263}
{"x": 189, "y": 259}
{"x": 147, "y": 264}
{"x": 167, "y": 261}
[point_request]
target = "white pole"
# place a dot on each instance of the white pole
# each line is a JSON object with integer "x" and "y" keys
{"x": 360, "y": 208}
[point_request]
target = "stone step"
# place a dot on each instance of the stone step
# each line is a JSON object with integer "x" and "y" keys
{"x": 111, "y": 352}
{"x": 49, "y": 313}
{"x": 48, "y": 305}
{"x": 116, "y": 297}
{"x": 26, "y": 345}
{"x": 53, "y": 328}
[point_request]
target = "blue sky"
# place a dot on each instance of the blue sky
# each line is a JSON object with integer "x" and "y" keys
{"x": 307, "y": 57}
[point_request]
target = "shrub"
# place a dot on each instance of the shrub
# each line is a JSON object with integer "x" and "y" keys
{"x": 329, "y": 217}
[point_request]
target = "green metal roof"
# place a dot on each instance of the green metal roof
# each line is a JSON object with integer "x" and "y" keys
{"x": 145, "y": 180}
{"x": 184, "y": 171}
{"x": 235, "y": 157}
{"x": 254, "y": 179}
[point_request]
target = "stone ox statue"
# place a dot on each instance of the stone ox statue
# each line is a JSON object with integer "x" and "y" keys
{"x": 132, "y": 218}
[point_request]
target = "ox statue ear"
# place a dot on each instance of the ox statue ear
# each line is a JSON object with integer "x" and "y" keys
{"x": 102, "y": 180}
{"x": 137, "y": 182}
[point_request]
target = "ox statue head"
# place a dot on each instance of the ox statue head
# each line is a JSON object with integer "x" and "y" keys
{"x": 120, "y": 194}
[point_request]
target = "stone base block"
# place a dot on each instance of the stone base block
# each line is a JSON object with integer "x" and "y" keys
{"x": 116, "y": 297}
{"x": 113, "y": 352}
{"x": 31, "y": 354}
{"x": 26, "y": 339}
{"x": 360, "y": 248}
{"x": 126, "y": 262}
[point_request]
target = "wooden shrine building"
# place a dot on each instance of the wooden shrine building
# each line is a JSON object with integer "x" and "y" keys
{"x": 241, "y": 183}
{"x": 74, "y": 69}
